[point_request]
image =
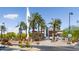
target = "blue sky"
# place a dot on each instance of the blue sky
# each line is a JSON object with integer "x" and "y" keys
{"x": 58, "y": 12}
{"x": 11, "y": 16}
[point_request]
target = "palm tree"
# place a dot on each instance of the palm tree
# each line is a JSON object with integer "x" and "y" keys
{"x": 32, "y": 22}
{"x": 2, "y": 29}
{"x": 55, "y": 25}
{"x": 33, "y": 25}
{"x": 36, "y": 20}
{"x": 22, "y": 26}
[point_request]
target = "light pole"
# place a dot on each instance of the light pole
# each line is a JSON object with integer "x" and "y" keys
{"x": 70, "y": 13}
{"x": 70, "y": 35}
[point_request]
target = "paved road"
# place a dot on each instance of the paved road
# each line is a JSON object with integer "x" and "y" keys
{"x": 48, "y": 46}
{"x": 61, "y": 48}
{"x": 60, "y": 45}
{"x": 8, "y": 49}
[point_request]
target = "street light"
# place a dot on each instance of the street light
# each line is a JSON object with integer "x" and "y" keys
{"x": 69, "y": 35}
{"x": 70, "y": 13}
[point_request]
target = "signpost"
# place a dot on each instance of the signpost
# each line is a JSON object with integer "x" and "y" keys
{"x": 69, "y": 38}
{"x": 69, "y": 35}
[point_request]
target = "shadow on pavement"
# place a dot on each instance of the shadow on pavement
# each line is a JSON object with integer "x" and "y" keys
{"x": 60, "y": 48}
{"x": 45, "y": 48}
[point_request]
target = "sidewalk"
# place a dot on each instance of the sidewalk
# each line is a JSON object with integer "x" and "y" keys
{"x": 49, "y": 43}
{"x": 24, "y": 49}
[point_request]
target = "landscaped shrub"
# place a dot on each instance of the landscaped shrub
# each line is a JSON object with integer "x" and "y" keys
{"x": 5, "y": 42}
{"x": 27, "y": 44}
{"x": 74, "y": 40}
{"x": 20, "y": 43}
{"x": 37, "y": 36}
{"x": 30, "y": 34}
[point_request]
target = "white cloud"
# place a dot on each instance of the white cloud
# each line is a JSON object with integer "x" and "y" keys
{"x": 11, "y": 16}
{"x": 12, "y": 30}
{"x": 15, "y": 30}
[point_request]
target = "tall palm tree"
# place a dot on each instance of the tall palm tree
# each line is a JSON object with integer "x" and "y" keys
{"x": 32, "y": 25}
{"x": 22, "y": 26}
{"x": 32, "y": 22}
{"x": 36, "y": 20}
{"x": 55, "y": 23}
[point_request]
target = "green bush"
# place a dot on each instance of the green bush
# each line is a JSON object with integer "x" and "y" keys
{"x": 74, "y": 40}
{"x": 27, "y": 44}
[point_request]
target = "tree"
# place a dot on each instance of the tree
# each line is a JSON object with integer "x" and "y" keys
{"x": 33, "y": 21}
{"x": 42, "y": 25}
{"x": 65, "y": 33}
{"x": 55, "y": 23}
{"x": 2, "y": 29}
{"x": 36, "y": 21}
{"x": 22, "y": 26}
{"x": 33, "y": 25}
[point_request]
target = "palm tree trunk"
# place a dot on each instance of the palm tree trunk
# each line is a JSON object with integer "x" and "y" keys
{"x": 33, "y": 29}
{"x": 54, "y": 33}
{"x": 41, "y": 30}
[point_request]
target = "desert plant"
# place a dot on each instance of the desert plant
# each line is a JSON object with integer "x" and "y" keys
{"x": 27, "y": 44}
{"x": 20, "y": 44}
